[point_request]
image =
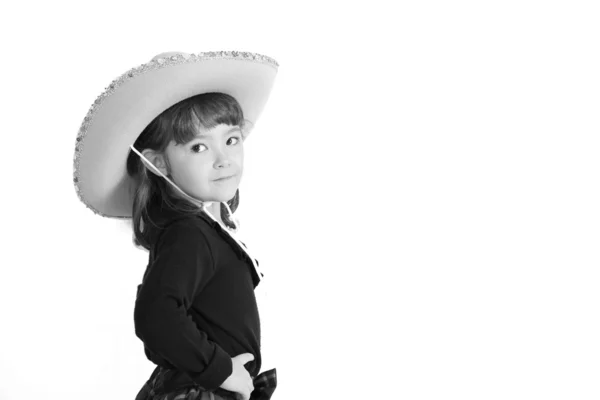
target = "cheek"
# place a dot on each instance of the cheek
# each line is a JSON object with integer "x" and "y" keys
{"x": 194, "y": 171}
{"x": 239, "y": 157}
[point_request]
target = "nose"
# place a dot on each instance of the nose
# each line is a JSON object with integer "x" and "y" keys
{"x": 221, "y": 159}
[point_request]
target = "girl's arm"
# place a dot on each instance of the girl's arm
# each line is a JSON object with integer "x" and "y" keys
{"x": 183, "y": 264}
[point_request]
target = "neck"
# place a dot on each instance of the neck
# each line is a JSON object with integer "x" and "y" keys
{"x": 215, "y": 211}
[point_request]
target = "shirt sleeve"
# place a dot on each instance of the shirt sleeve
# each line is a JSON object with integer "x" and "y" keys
{"x": 182, "y": 266}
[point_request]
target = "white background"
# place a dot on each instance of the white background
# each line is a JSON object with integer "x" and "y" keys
{"x": 422, "y": 191}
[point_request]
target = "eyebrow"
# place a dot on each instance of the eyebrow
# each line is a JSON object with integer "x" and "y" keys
{"x": 203, "y": 136}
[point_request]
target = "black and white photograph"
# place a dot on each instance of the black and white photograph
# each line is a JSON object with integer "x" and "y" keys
{"x": 300, "y": 200}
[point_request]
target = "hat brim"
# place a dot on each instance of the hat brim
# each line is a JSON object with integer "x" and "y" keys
{"x": 131, "y": 102}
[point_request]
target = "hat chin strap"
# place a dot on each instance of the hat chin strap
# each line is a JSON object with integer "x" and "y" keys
{"x": 202, "y": 204}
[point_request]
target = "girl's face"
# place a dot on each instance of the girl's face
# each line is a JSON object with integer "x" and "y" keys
{"x": 210, "y": 166}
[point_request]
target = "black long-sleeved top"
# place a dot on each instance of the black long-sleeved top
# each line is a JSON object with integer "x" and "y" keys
{"x": 196, "y": 307}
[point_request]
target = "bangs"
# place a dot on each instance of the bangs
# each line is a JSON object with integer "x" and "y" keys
{"x": 204, "y": 111}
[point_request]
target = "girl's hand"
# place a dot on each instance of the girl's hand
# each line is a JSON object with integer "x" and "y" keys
{"x": 240, "y": 381}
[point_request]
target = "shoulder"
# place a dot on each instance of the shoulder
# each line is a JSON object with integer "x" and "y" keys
{"x": 185, "y": 224}
{"x": 188, "y": 235}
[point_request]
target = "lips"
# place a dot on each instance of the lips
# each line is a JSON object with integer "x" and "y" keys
{"x": 224, "y": 178}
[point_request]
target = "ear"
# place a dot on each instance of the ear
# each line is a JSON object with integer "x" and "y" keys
{"x": 157, "y": 159}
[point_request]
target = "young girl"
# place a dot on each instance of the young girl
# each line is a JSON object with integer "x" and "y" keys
{"x": 164, "y": 146}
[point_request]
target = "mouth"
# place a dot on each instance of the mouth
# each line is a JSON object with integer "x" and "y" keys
{"x": 224, "y": 179}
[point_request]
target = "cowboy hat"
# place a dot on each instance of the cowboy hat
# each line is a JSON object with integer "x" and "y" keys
{"x": 132, "y": 101}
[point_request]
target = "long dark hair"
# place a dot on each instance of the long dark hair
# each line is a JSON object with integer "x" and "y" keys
{"x": 178, "y": 123}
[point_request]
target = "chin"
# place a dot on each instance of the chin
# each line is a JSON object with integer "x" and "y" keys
{"x": 223, "y": 197}
{"x": 229, "y": 197}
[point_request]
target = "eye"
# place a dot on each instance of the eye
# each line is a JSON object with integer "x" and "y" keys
{"x": 236, "y": 138}
{"x": 196, "y": 148}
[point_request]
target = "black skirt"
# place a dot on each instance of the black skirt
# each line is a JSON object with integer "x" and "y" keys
{"x": 264, "y": 386}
